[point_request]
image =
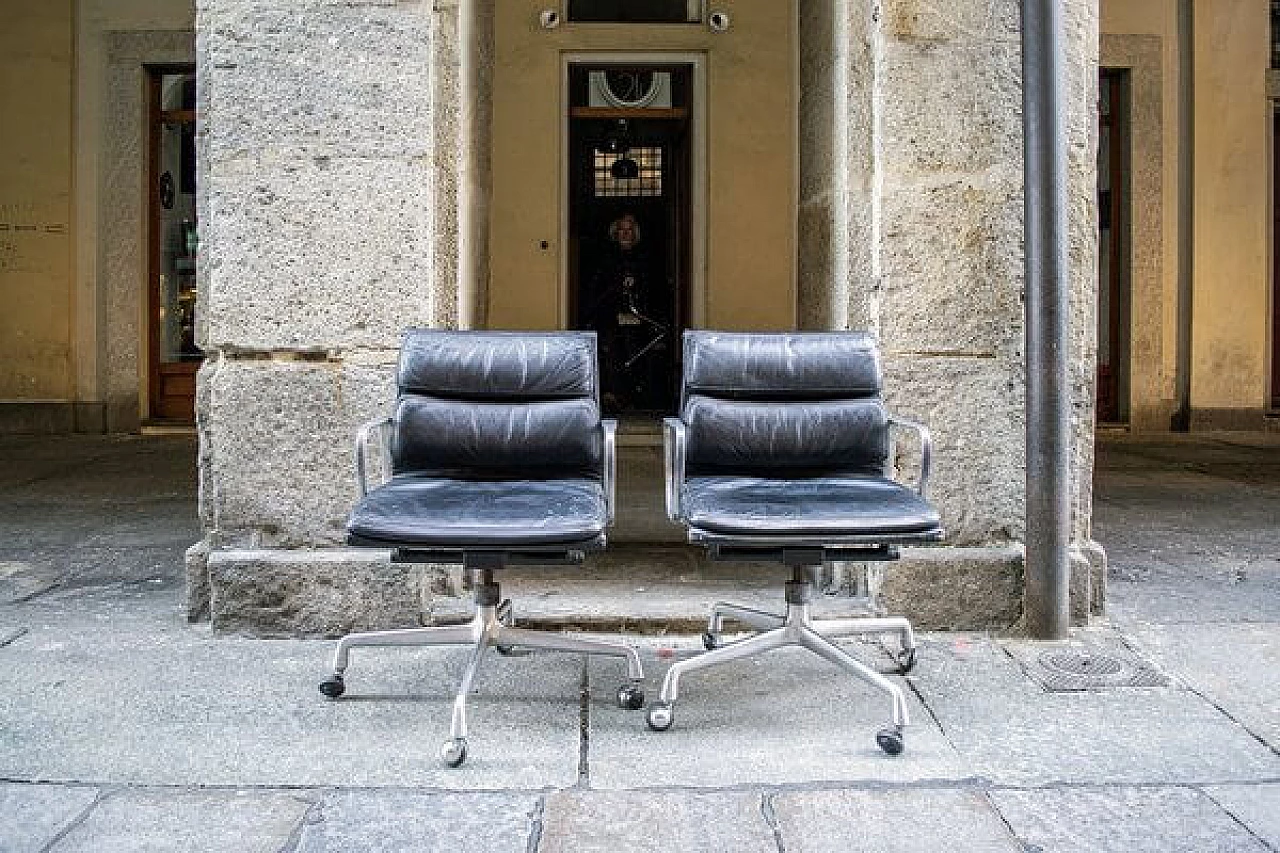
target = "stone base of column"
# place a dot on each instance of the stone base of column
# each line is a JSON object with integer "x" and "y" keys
{"x": 633, "y": 588}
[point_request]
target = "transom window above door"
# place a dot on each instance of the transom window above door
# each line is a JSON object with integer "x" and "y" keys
{"x": 636, "y": 11}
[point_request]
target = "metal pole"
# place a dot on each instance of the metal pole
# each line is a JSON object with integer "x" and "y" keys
{"x": 1048, "y": 389}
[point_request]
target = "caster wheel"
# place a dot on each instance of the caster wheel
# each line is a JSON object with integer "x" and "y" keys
{"x": 631, "y": 697}
{"x": 454, "y": 751}
{"x": 506, "y": 617}
{"x": 660, "y": 717}
{"x": 906, "y": 661}
{"x": 333, "y": 686}
{"x": 890, "y": 740}
{"x": 710, "y": 641}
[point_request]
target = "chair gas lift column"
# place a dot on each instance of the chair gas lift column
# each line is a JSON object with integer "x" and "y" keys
{"x": 782, "y": 453}
{"x": 497, "y": 456}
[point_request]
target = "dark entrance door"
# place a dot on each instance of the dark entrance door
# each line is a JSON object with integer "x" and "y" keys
{"x": 629, "y": 163}
{"x": 1113, "y": 248}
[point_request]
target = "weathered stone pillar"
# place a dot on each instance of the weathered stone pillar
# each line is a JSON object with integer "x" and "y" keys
{"x": 317, "y": 251}
{"x": 947, "y": 283}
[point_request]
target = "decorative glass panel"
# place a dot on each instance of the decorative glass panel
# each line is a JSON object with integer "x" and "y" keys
{"x": 635, "y": 173}
{"x": 636, "y": 11}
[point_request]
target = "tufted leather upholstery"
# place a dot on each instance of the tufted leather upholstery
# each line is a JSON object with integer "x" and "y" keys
{"x": 787, "y": 435}
{"x": 496, "y": 441}
{"x": 431, "y": 511}
{"x": 809, "y": 506}
{"x": 783, "y": 403}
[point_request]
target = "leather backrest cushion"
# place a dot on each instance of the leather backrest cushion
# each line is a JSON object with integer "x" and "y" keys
{"x": 456, "y": 438}
{"x": 743, "y": 436}
{"x": 498, "y": 365}
{"x": 787, "y": 365}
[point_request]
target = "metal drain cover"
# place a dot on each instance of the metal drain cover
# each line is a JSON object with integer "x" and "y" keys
{"x": 1093, "y": 670}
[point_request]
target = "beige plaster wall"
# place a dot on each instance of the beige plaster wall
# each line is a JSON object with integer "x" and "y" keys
{"x": 35, "y": 200}
{"x": 750, "y": 262}
{"x": 1231, "y": 220}
{"x": 1228, "y": 228}
{"x": 1155, "y": 93}
{"x": 114, "y": 38}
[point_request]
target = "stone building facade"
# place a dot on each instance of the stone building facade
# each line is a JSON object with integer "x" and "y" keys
{"x": 332, "y": 151}
{"x": 368, "y": 165}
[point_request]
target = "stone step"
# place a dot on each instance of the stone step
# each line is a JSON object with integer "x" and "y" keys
{"x": 652, "y": 589}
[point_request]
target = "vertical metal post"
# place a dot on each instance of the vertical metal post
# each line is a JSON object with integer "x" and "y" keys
{"x": 1048, "y": 343}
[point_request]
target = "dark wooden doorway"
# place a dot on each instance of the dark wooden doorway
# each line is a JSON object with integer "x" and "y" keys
{"x": 629, "y": 172}
{"x": 1113, "y": 246}
{"x": 173, "y": 356}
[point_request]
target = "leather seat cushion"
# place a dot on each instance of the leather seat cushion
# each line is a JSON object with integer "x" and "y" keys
{"x": 823, "y": 506}
{"x": 417, "y": 510}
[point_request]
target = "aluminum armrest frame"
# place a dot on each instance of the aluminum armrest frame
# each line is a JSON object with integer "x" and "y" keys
{"x": 926, "y": 449}
{"x": 362, "y": 446}
{"x": 675, "y": 437}
{"x": 609, "y": 476}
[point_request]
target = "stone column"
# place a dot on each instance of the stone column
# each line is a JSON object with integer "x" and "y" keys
{"x": 316, "y": 215}
{"x": 947, "y": 283}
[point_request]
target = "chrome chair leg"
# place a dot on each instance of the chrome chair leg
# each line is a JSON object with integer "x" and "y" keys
{"x": 661, "y": 715}
{"x": 906, "y": 656}
{"x": 566, "y": 643}
{"x": 489, "y": 628}
{"x": 454, "y": 751}
{"x": 815, "y": 642}
{"x": 441, "y": 635}
{"x": 761, "y": 620}
{"x": 795, "y": 629}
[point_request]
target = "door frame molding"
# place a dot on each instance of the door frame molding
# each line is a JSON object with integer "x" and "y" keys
{"x": 698, "y": 197}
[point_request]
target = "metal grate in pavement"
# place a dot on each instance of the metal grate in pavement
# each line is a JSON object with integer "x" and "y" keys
{"x": 1065, "y": 671}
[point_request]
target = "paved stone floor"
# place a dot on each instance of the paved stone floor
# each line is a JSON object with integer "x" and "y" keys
{"x": 122, "y": 728}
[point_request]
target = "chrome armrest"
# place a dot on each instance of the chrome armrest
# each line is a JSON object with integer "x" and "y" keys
{"x": 674, "y": 440}
{"x": 362, "y": 444}
{"x": 926, "y": 448}
{"x": 609, "y": 478}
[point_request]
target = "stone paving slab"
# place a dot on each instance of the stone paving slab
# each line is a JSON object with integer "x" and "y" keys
{"x": 1235, "y": 666}
{"x": 1012, "y": 732}
{"x": 655, "y": 822}
{"x": 182, "y": 821}
{"x": 413, "y": 822}
{"x": 1255, "y": 806}
{"x": 33, "y": 815}
{"x": 172, "y": 706}
{"x": 780, "y": 718}
{"x": 897, "y": 820}
{"x": 1123, "y": 820}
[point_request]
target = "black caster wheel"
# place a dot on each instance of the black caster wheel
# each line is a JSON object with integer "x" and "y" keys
{"x": 906, "y": 661}
{"x": 710, "y": 641}
{"x": 890, "y": 740}
{"x": 454, "y": 751}
{"x": 660, "y": 717}
{"x": 631, "y": 697}
{"x": 506, "y": 617}
{"x": 333, "y": 686}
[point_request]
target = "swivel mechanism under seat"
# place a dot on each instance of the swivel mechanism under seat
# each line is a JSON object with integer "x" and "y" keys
{"x": 782, "y": 453}
{"x": 497, "y": 456}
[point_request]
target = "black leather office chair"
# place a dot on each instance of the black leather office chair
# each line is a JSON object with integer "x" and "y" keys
{"x": 498, "y": 456}
{"x": 782, "y": 452}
